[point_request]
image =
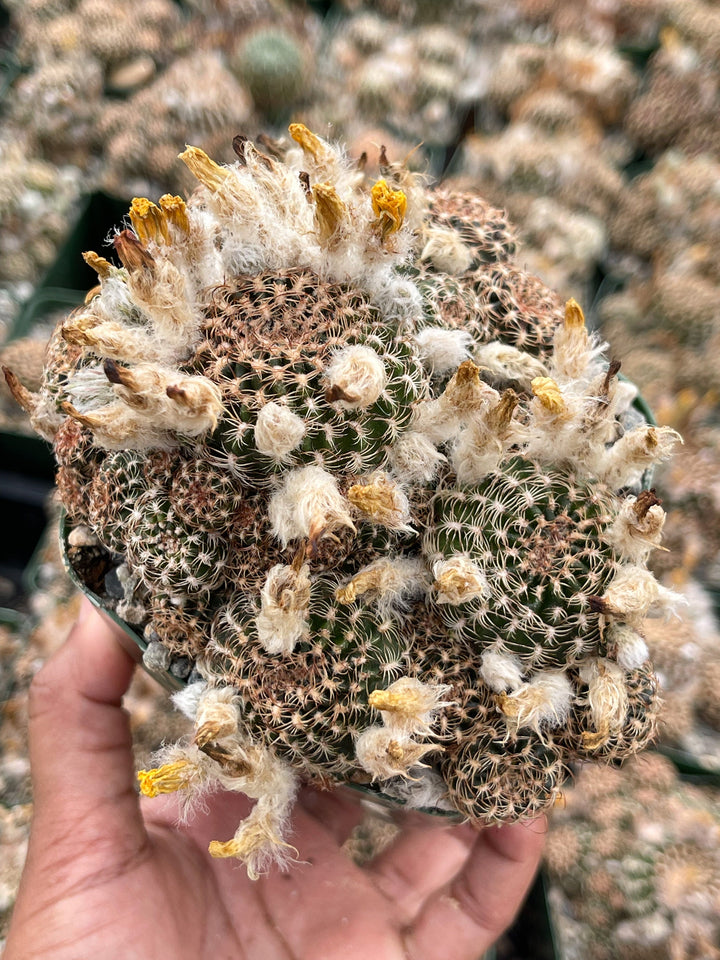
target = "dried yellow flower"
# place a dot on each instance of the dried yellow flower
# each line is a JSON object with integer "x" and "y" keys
{"x": 548, "y": 393}
{"x": 389, "y": 207}
{"x": 166, "y": 779}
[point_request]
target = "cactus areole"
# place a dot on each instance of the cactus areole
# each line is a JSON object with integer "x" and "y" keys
{"x": 375, "y": 486}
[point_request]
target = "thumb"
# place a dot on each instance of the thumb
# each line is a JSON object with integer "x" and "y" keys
{"x": 80, "y": 742}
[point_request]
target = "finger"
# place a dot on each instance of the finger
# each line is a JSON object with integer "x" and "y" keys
{"x": 338, "y": 813}
{"x": 482, "y": 900}
{"x": 323, "y": 905}
{"x": 422, "y": 860}
{"x": 80, "y": 742}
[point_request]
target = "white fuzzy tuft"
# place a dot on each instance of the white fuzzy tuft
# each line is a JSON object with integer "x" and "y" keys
{"x": 501, "y": 671}
{"x": 630, "y": 649}
{"x": 459, "y": 580}
{"x": 308, "y": 505}
{"x": 409, "y": 706}
{"x": 384, "y": 753}
{"x": 381, "y": 501}
{"x": 445, "y": 249}
{"x": 476, "y": 453}
{"x": 639, "y": 449}
{"x": 259, "y": 841}
{"x": 634, "y": 594}
{"x": 544, "y": 701}
{"x": 504, "y": 362}
{"x": 573, "y": 347}
{"x": 423, "y": 789}
{"x": 443, "y": 350}
{"x": 142, "y": 406}
{"x": 218, "y": 715}
{"x": 278, "y": 431}
{"x": 188, "y": 699}
{"x": 437, "y": 420}
{"x": 636, "y": 532}
{"x": 390, "y": 582}
{"x": 414, "y": 457}
{"x": 607, "y": 699}
{"x": 356, "y": 377}
{"x": 285, "y": 607}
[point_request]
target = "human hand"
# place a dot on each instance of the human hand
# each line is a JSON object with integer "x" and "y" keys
{"x": 110, "y": 876}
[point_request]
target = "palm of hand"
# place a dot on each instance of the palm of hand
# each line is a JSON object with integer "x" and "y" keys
{"x": 102, "y": 881}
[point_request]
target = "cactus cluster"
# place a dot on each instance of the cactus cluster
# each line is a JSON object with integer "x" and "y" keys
{"x": 685, "y": 656}
{"x": 634, "y": 860}
{"x": 370, "y": 479}
{"x": 37, "y": 201}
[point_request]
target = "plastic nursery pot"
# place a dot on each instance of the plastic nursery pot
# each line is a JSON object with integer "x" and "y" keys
{"x": 22, "y": 514}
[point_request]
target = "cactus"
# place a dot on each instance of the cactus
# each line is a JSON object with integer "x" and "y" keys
{"x": 635, "y": 865}
{"x": 401, "y": 549}
{"x": 274, "y": 68}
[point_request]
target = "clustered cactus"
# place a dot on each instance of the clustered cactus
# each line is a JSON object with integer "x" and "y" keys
{"x": 687, "y": 663}
{"x": 634, "y": 862}
{"x": 37, "y": 200}
{"x": 371, "y": 479}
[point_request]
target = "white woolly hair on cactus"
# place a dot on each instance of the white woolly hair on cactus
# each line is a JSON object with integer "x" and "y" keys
{"x": 631, "y": 649}
{"x": 356, "y": 377}
{"x": 385, "y": 753}
{"x": 606, "y": 696}
{"x": 505, "y": 362}
{"x": 443, "y": 350}
{"x": 544, "y": 701}
{"x": 501, "y": 671}
{"x": 414, "y": 457}
{"x": 278, "y": 431}
{"x": 284, "y": 607}
{"x": 409, "y": 706}
{"x": 308, "y": 505}
{"x": 391, "y": 582}
{"x": 458, "y": 580}
{"x": 446, "y": 250}
{"x": 637, "y": 530}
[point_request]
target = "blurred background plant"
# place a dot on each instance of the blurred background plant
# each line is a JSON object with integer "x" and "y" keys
{"x": 634, "y": 864}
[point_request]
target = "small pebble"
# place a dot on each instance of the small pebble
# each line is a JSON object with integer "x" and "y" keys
{"x": 113, "y": 587}
{"x": 132, "y": 74}
{"x": 132, "y": 613}
{"x": 195, "y": 676}
{"x": 181, "y": 667}
{"x": 156, "y": 656}
{"x": 82, "y": 536}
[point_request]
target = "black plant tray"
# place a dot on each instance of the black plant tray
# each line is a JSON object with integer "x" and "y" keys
{"x": 23, "y": 519}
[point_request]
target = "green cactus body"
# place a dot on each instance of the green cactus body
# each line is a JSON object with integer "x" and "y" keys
{"x": 273, "y": 66}
{"x": 312, "y": 706}
{"x": 168, "y": 553}
{"x": 505, "y": 780}
{"x": 269, "y": 340}
{"x": 537, "y": 534}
